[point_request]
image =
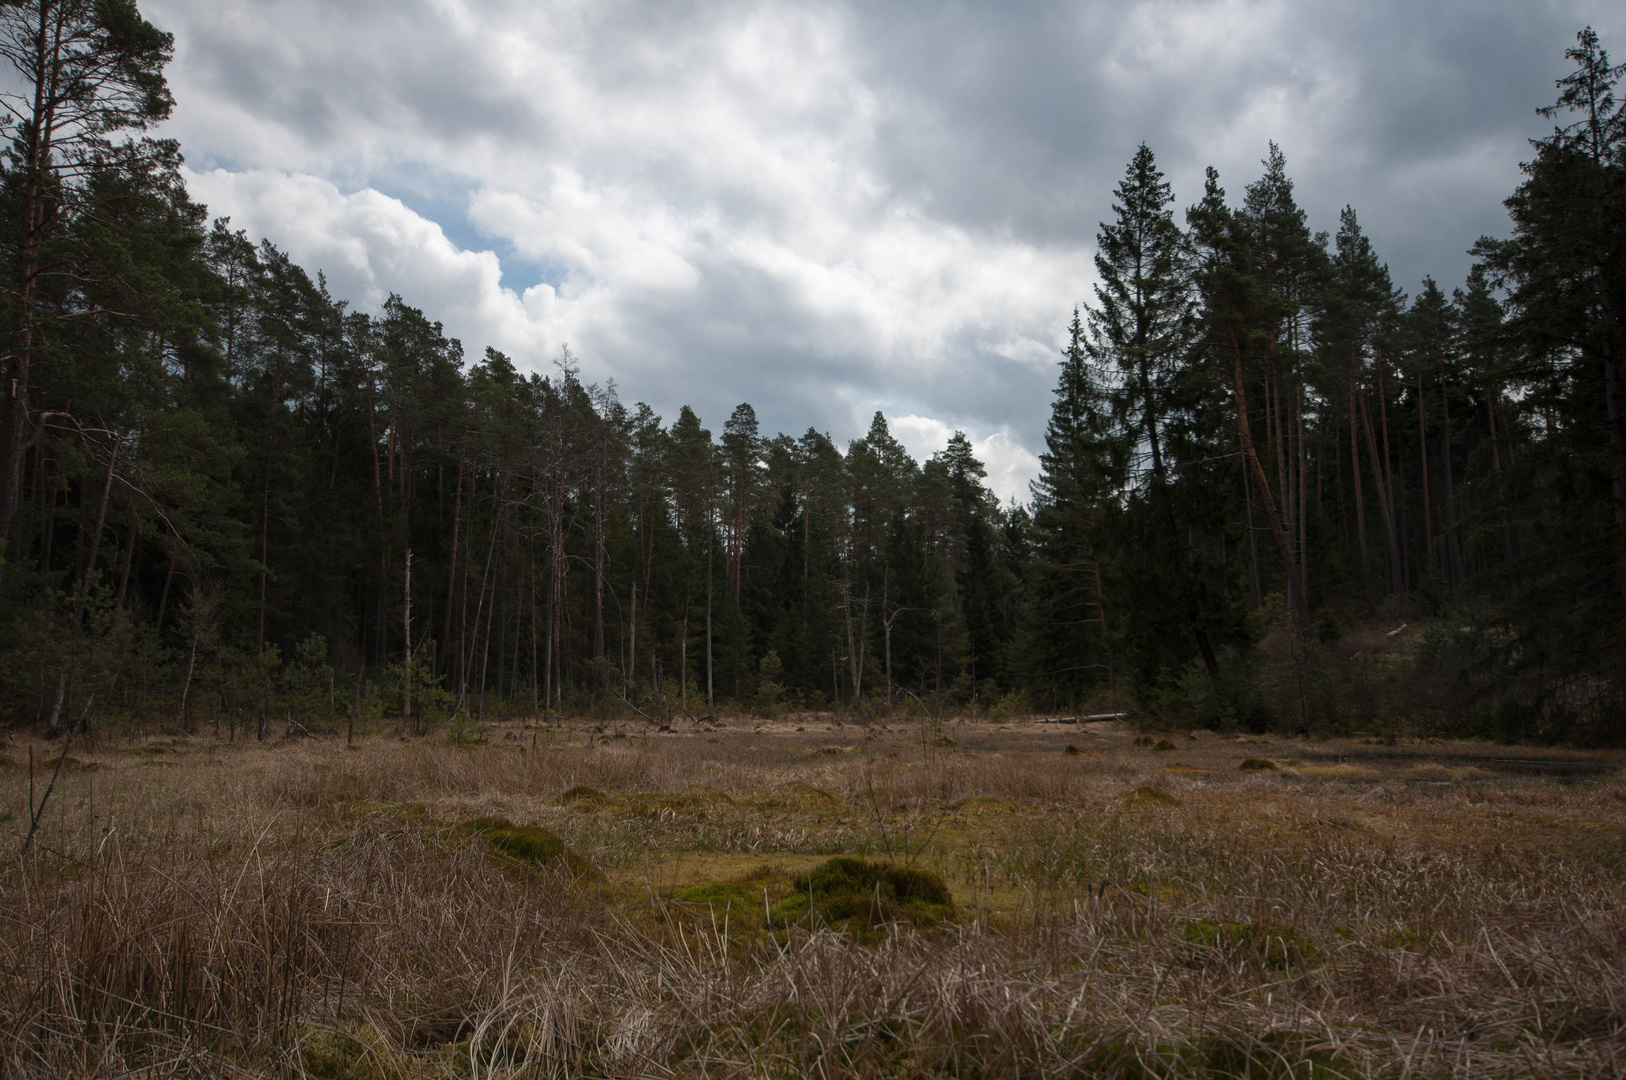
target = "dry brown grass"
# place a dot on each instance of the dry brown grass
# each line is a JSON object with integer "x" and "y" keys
{"x": 312, "y": 909}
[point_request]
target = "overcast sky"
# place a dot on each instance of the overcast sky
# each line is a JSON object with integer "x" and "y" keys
{"x": 827, "y": 209}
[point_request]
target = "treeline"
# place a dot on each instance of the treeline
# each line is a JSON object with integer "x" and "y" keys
{"x": 229, "y": 499}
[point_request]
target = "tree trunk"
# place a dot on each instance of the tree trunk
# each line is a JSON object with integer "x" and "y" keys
{"x": 711, "y": 532}
{"x": 451, "y": 570}
{"x": 1360, "y": 501}
{"x": 265, "y": 527}
{"x": 1295, "y": 600}
{"x": 1385, "y": 505}
{"x": 1422, "y": 450}
{"x": 1453, "y": 544}
{"x": 406, "y": 627}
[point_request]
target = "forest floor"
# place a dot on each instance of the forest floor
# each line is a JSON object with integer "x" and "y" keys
{"x": 609, "y": 900}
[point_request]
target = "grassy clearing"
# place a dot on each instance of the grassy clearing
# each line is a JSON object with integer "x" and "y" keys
{"x": 835, "y": 901}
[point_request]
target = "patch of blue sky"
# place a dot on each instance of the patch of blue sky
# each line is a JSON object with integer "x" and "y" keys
{"x": 444, "y": 198}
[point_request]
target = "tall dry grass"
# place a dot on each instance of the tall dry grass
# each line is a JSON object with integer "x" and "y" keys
{"x": 315, "y": 911}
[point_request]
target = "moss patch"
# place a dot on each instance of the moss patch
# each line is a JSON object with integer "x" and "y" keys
{"x": 860, "y": 896}
{"x": 531, "y": 846}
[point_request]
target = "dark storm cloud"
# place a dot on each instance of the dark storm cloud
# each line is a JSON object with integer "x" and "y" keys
{"x": 1023, "y": 117}
{"x": 826, "y": 208}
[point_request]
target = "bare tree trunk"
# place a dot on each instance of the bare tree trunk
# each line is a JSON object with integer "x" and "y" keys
{"x": 1491, "y": 395}
{"x": 711, "y": 701}
{"x": 886, "y": 628}
{"x": 598, "y": 560}
{"x": 1453, "y": 544}
{"x": 129, "y": 558}
{"x": 1284, "y": 546}
{"x": 1106, "y": 637}
{"x": 1303, "y": 513}
{"x": 406, "y": 626}
{"x": 451, "y": 571}
{"x": 485, "y": 577}
{"x": 265, "y": 526}
{"x": 1253, "y": 538}
{"x": 1385, "y": 504}
{"x": 683, "y": 646}
{"x": 1422, "y": 448}
{"x": 1360, "y": 501}
{"x": 36, "y": 138}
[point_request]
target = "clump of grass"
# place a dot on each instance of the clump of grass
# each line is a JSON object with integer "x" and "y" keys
{"x": 697, "y": 802}
{"x": 1275, "y": 947}
{"x": 797, "y": 795}
{"x": 1257, "y": 764}
{"x": 534, "y": 846}
{"x": 1154, "y": 796}
{"x": 584, "y": 797}
{"x": 860, "y": 896}
{"x": 985, "y": 804}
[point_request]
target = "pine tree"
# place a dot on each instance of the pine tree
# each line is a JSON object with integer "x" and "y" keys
{"x": 87, "y": 70}
{"x": 1141, "y": 332}
{"x": 1069, "y": 617}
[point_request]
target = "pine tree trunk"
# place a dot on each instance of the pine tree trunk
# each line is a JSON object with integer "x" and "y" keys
{"x": 406, "y": 627}
{"x": 1422, "y": 450}
{"x": 1453, "y": 543}
{"x": 711, "y": 700}
{"x": 1385, "y": 505}
{"x": 451, "y": 569}
{"x": 1360, "y": 502}
{"x": 1295, "y": 600}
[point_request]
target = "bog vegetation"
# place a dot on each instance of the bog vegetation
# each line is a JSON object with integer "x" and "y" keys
{"x": 815, "y": 898}
{"x": 229, "y": 499}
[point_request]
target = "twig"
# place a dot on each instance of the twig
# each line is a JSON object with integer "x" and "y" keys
{"x": 34, "y": 814}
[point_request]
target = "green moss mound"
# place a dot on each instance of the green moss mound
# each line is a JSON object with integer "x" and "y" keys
{"x": 859, "y": 896}
{"x": 1276, "y": 947}
{"x": 722, "y": 896}
{"x": 531, "y": 846}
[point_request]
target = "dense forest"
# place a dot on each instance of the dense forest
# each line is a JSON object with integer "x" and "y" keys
{"x": 229, "y": 499}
